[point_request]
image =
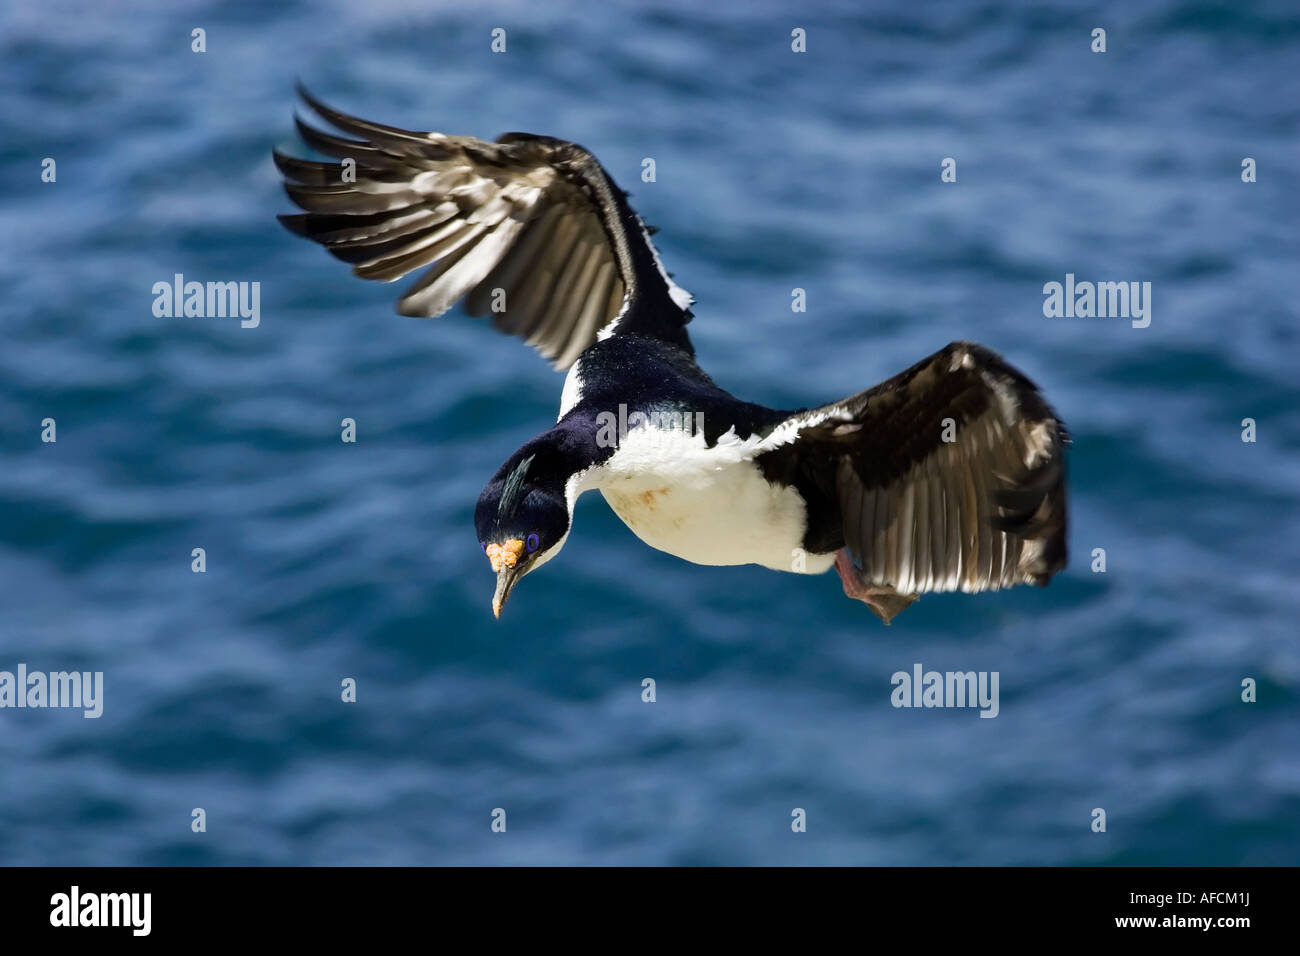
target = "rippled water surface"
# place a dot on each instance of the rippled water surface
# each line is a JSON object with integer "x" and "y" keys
{"x": 775, "y": 170}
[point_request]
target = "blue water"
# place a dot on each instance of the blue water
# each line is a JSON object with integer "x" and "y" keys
{"x": 775, "y": 170}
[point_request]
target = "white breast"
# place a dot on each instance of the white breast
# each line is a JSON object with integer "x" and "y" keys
{"x": 706, "y": 505}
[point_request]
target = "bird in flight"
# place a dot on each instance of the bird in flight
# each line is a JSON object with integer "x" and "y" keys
{"x": 950, "y": 476}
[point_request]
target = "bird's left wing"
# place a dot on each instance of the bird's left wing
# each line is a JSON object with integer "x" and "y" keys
{"x": 529, "y": 229}
{"x": 949, "y": 476}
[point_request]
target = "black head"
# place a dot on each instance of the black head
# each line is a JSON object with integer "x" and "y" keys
{"x": 522, "y": 519}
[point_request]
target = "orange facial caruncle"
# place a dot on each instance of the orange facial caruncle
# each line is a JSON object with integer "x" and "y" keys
{"x": 505, "y": 555}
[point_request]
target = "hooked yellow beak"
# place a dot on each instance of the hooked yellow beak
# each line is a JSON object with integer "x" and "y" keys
{"x": 505, "y": 562}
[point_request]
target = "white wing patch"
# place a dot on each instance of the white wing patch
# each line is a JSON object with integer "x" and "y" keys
{"x": 681, "y": 298}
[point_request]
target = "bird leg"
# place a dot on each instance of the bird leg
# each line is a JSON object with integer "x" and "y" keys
{"x": 884, "y": 602}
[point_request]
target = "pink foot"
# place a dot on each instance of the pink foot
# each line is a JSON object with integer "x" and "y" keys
{"x": 884, "y": 602}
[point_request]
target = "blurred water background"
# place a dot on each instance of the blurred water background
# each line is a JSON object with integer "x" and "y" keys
{"x": 775, "y": 170}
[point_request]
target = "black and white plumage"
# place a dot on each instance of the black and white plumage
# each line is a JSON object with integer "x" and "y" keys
{"x": 535, "y": 217}
{"x": 949, "y": 476}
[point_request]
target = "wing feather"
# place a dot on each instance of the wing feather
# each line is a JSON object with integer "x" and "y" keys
{"x": 983, "y": 511}
{"x": 535, "y": 217}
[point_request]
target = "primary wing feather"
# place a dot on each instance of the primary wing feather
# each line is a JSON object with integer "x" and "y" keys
{"x": 530, "y": 230}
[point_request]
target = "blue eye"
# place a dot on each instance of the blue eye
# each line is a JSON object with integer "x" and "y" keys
{"x": 533, "y": 543}
{"x": 483, "y": 545}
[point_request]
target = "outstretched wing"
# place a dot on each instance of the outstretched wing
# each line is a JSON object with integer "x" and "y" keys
{"x": 529, "y": 229}
{"x": 949, "y": 476}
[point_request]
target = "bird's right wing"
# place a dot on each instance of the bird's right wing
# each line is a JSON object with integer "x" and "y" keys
{"x": 949, "y": 476}
{"x": 529, "y": 229}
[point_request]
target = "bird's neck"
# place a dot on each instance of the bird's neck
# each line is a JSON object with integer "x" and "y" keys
{"x": 563, "y": 456}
